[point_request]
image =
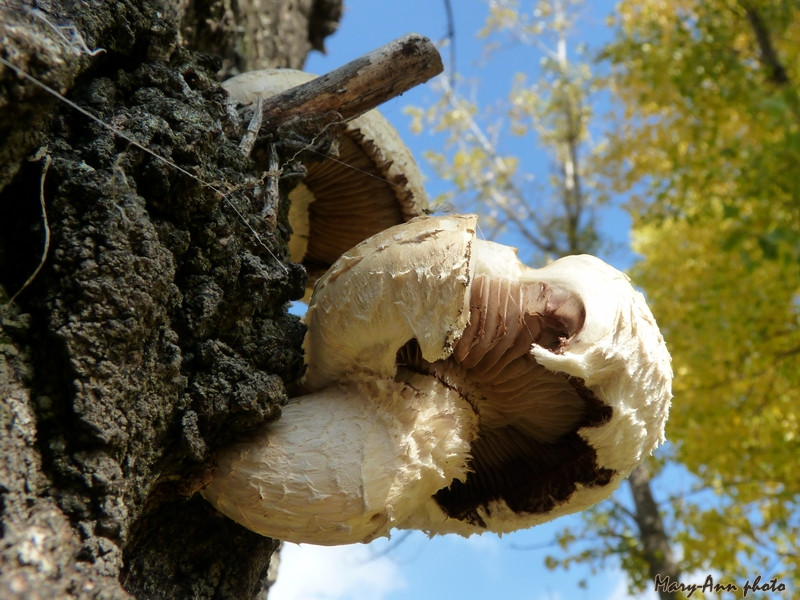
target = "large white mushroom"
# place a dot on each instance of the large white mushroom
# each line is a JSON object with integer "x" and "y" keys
{"x": 450, "y": 388}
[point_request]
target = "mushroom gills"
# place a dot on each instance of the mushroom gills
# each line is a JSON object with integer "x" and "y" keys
{"x": 345, "y": 214}
{"x": 527, "y": 452}
{"x": 372, "y": 185}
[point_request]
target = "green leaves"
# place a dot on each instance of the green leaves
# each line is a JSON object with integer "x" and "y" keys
{"x": 721, "y": 266}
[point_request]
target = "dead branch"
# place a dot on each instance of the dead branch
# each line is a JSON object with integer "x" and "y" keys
{"x": 358, "y": 86}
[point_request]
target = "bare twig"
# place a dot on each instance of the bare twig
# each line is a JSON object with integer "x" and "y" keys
{"x": 269, "y": 211}
{"x": 250, "y": 136}
{"x": 451, "y": 37}
{"x": 360, "y": 85}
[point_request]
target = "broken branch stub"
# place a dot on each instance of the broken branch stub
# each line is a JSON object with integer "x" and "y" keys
{"x": 360, "y": 85}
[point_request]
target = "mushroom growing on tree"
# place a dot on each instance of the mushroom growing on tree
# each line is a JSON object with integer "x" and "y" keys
{"x": 450, "y": 388}
{"x": 373, "y": 183}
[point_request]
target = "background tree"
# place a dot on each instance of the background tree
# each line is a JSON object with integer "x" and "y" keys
{"x": 704, "y": 147}
{"x": 709, "y": 130}
{"x": 554, "y": 111}
{"x": 155, "y": 329}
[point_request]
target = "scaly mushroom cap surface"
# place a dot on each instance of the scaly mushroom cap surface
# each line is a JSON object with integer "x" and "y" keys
{"x": 450, "y": 388}
{"x": 373, "y": 184}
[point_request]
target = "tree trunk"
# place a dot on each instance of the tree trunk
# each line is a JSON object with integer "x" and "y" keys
{"x": 259, "y": 34}
{"x": 155, "y": 330}
{"x": 657, "y": 550}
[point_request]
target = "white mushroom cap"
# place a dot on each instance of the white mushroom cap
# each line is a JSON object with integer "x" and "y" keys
{"x": 450, "y": 388}
{"x": 373, "y": 184}
{"x": 408, "y": 282}
{"x": 563, "y": 425}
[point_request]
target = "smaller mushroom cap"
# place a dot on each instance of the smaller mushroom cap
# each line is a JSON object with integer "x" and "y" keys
{"x": 409, "y": 282}
{"x": 373, "y": 184}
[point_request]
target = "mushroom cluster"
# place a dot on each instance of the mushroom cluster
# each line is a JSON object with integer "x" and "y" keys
{"x": 451, "y": 388}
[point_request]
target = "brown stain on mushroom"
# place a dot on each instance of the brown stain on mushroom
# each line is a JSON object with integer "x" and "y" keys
{"x": 528, "y": 452}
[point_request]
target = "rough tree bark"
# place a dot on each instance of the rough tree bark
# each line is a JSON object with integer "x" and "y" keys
{"x": 258, "y": 34}
{"x": 156, "y": 329}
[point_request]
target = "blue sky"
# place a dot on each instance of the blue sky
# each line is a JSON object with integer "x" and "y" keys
{"x": 412, "y": 566}
{"x": 442, "y": 568}
{"x": 484, "y": 76}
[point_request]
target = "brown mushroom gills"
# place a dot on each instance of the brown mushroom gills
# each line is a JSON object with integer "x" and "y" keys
{"x": 528, "y": 452}
{"x": 346, "y": 213}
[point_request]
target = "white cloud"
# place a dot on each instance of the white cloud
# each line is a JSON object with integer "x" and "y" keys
{"x": 620, "y": 591}
{"x": 334, "y": 573}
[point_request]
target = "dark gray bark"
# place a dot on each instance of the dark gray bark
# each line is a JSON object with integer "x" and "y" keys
{"x": 156, "y": 330}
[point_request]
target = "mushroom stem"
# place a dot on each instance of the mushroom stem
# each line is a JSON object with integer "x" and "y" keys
{"x": 340, "y": 468}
